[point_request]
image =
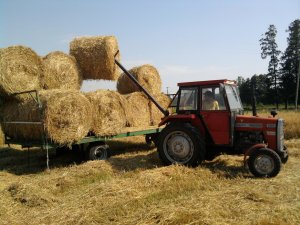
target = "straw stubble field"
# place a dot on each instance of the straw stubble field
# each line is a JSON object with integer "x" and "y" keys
{"x": 133, "y": 187}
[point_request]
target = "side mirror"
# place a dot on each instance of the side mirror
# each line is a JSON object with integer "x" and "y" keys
{"x": 273, "y": 113}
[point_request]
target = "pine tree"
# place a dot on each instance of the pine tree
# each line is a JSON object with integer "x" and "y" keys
{"x": 290, "y": 62}
{"x": 269, "y": 49}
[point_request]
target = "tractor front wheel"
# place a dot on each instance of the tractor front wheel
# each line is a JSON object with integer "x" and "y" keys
{"x": 264, "y": 163}
{"x": 180, "y": 143}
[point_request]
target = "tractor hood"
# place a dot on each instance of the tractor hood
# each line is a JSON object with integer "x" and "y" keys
{"x": 246, "y": 123}
{"x": 270, "y": 128}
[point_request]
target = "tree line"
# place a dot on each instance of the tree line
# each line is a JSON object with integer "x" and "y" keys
{"x": 280, "y": 85}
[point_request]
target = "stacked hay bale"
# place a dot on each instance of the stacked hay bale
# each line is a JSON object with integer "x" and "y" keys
{"x": 67, "y": 117}
{"x": 144, "y": 111}
{"x": 20, "y": 70}
{"x": 146, "y": 75}
{"x": 109, "y": 112}
{"x": 138, "y": 110}
{"x": 60, "y": 72}
{"x": 95, "y": 56}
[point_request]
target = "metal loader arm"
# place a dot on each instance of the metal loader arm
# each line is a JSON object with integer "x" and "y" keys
{"x": 131, "y": 77}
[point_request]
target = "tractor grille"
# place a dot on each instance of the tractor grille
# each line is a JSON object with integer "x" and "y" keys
{"x": 280, "y": 135}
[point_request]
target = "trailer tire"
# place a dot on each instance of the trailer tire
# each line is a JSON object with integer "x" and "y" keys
{"x": 264, "y": 162}
{"x": 181, "y": 143}
{"x": 98, "y": 152}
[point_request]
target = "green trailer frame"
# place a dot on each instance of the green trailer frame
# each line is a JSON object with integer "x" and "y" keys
{"x": 86, "y": 140}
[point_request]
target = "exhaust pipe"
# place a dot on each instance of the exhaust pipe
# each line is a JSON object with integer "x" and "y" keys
{"x": 253, "y": 87}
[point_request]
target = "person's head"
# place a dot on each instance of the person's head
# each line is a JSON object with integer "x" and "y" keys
{"x": 209, "y": 95}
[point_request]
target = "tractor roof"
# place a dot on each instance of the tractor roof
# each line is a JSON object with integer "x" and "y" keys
{"x": 206, "y": 82}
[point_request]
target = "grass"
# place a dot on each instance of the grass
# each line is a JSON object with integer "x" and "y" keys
{"x": 132, "y": 187}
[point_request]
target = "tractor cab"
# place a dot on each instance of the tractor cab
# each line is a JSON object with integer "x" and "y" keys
{"x": 214, "y": 95}
{"x": 214, "y": 104}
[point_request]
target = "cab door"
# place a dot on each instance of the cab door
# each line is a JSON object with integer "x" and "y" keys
{"x": 215, "y": 114}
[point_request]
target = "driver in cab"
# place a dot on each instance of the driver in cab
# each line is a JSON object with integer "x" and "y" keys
{"x": 209, "y": 103}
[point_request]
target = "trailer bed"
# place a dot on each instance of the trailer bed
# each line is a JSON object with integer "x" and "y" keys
{"x": 126, "y": 132}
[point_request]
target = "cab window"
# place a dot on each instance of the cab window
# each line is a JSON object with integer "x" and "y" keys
{"x": 188, "y": 99}
{"x": 212, "y": 99}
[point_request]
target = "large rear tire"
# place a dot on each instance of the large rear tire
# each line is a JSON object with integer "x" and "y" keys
{"x": 181, "y": 143}
{"x": 264, "y": 163}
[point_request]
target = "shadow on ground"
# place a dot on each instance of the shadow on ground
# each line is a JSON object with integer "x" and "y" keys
{"x": 221, "y": 167}
{"x": 23, "y": 161}
{"x": 124, "y": 157}
{"x": 34, "y": 160}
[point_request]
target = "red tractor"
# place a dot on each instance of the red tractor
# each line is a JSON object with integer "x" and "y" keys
{"x": 208, "y": 119}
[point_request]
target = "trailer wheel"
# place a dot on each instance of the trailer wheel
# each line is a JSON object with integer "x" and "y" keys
{"x": 264, "y": 163}
{"x": 98, "y": 152}
{"x": 180, "y": 143}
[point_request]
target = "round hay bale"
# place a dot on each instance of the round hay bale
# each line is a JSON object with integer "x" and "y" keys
{"x": 155, "y": 113}
{"x": 60, "y": 71}
{"x": 67, "y": 116}
{"x": 109, "y": 112}
{"x": 146, "y": 75}
{"x": 20, "y": 69}
{"x": 138, "y": 109}
{"x": 95, "y": 56}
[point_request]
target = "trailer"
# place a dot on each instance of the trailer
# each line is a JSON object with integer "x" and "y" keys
{"x": 93, "y": 147}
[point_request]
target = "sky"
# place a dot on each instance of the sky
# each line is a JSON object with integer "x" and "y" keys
{"x": 189, "y": 40}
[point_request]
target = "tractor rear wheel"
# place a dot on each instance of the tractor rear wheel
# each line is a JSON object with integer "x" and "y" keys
{"x": 181, "y": 143}
{"x": 264, "y": 163}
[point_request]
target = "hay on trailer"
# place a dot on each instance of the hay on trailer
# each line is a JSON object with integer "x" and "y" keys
{"x": 155, "y": 113}
{"x": 67, "y": 116}
{"x": 138, "y": 109}
{"x": 109, "y": 112}
{"x": 20, "y": 69}
{"x": 95, "y": 56}
{"x": 146, "y": 75}
{"x": 60, "y": 71}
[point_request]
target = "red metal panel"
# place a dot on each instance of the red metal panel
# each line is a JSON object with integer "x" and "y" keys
{"x": 255, "y": 123}
{"x": 218, "y": 124}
